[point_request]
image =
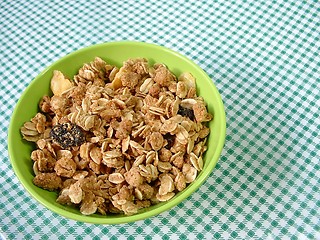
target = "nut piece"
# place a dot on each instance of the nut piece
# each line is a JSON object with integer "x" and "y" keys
{"x": 116, "y": 140}
{"x": 59, "y": 83}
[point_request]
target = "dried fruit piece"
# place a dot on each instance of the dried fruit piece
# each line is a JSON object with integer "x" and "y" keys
{"x": 119, "y": 139}
{"x": 67, "y": 135}
{"x": 170, "y": 140}
{"x": 186, "y": 112}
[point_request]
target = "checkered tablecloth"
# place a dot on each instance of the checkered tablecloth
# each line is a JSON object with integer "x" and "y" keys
{"x": 263, "y": 57}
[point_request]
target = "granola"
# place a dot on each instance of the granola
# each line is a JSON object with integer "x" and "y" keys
{"x": 115, "y": 140}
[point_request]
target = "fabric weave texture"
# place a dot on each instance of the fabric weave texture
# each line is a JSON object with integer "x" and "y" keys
{"x": 263, "y": 56}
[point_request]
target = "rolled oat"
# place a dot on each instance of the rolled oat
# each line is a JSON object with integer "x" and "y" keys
{"x": 115, "y": 140}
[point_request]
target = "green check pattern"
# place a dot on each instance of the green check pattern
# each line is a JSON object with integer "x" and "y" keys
{"x": 264, "y": 58}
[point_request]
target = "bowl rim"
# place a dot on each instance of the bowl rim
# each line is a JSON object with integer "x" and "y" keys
{"x": 122, "y": 218}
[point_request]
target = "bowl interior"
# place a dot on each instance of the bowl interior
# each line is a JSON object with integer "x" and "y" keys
{"x": 113, "y": 53}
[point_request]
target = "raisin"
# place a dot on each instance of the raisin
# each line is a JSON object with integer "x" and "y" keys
{"x": 67, "y": 135}
{"x": 170, "y": 140}
{"x": 186, "y": 112}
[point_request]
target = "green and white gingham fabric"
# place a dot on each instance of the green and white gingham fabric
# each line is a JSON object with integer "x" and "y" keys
{"x": 264, "y": 58}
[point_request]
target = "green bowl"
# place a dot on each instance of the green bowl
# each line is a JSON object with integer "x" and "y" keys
{"x": 114, "y": 53}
